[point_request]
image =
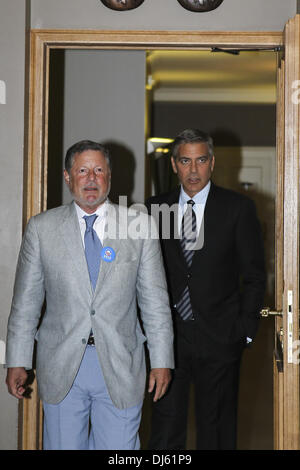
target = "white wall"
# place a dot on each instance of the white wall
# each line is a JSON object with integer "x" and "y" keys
{"x": 12, "y": 61}
{"x": 240, "y": 15}
{"x": 105, "y": 101}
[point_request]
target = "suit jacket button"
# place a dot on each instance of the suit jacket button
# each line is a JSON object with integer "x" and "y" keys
{"x": 83, "y": 341}
{"x": 189, "y": 275}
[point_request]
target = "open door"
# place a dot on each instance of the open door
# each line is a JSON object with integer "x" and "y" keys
{"x": 286, "y": 351}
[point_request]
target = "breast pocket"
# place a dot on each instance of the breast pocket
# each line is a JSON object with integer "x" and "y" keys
{"x": 124, "y": 261}
{"x": 125, "y": 272}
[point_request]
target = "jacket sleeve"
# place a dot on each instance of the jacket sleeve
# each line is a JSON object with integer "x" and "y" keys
{"x": 153, "y": 301}
{"x": 28, "y": 297}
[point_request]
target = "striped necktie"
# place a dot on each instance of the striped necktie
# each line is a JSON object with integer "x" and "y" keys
{"x": 188, "y": 232}
{"x": 187, "y": 242}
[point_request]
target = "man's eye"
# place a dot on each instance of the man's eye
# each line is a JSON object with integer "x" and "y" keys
{"x": 83, "y": 171}
{"x": 184, "y": 161}
{"x": 98, "y": 170}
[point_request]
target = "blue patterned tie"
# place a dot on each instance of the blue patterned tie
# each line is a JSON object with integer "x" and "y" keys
{"x": 187, "y": 241}
{"x": 93, "y": 249}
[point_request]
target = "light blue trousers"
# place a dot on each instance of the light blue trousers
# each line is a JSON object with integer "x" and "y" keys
{"x": 86, "y": 418}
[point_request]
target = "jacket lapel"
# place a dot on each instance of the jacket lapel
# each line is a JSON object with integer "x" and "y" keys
{"x": 174, "y": 241}
{"x": 70, "y": 232}
{"x": 111, "y": 240}
{"x": 209, "y": 220}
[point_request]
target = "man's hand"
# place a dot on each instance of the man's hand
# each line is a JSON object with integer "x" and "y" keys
{"x": 161, "y": 379}
{"x": 15, "y": 380}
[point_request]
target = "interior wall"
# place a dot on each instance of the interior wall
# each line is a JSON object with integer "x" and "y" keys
{"x": 12, "y": 63}
{"x": 104, "y": 100}
{"x": 232, "y": 15}
{"x": 230, "y": 124}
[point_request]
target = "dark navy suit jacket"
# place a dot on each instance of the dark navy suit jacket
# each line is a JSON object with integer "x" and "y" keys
{"x": 227, "y": 276}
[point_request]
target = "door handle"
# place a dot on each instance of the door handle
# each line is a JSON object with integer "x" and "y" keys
{"x": 267, "y": 312}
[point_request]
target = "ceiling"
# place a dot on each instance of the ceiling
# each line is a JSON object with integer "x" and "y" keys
{"x": 205, "y": 76}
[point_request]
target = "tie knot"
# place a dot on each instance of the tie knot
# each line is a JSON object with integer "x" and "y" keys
{"x": 190, "y": 202}
{"x": 89, "y": 220}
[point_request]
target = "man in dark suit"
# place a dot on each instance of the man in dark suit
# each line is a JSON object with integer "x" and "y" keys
{"x": 214, "y": 263}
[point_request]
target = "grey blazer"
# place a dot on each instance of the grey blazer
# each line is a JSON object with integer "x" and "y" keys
{"x": 52, "y": 266}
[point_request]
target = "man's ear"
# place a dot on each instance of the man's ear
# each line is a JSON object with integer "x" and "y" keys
{"x": 174, "y": 165}
{"x": 67, "y": 177}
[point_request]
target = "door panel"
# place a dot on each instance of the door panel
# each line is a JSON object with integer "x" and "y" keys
{"x": 278, "y": 372}
{"x": 286, "y": 383}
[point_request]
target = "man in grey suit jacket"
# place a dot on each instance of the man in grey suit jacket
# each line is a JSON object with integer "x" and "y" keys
{"x": 90, "y": 345}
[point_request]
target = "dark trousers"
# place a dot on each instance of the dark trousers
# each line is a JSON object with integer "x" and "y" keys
{"x": 214, "y": 369}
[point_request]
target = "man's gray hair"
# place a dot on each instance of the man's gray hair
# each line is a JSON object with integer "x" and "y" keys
{"x": 81, "y": 147}
{"x": 192, "y": 136}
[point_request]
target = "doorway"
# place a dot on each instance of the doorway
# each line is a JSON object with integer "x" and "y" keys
{"x": 231, "y": 96}
{"x": 286, "y": 381}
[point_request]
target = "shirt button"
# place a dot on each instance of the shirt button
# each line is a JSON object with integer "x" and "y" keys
{"x": 93, "y": 312}
{"x": 83, "y": 341}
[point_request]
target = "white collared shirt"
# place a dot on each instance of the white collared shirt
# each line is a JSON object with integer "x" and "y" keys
{"x": 199, "y": 206}
{"x": 99, "y": 224}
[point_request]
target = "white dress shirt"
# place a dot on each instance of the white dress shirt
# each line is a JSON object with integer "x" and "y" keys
{"x": 99, "y": 224}
{"x": 199, "y": 206}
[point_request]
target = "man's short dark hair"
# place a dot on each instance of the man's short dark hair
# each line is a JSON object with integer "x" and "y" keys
{"x": 192, "y": 136}
{"x": 82, "y": 146}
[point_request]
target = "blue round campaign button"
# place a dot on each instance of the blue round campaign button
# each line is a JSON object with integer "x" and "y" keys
{"x": 108, "y": 254}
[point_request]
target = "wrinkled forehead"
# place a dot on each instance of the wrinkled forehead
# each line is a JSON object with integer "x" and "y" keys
{"x": 193, "y": 149}
{"x": 91, "y": 158}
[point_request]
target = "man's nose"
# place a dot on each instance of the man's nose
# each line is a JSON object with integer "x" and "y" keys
{"x": 91, "y": 175}
{"x": 193, "y": 166}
